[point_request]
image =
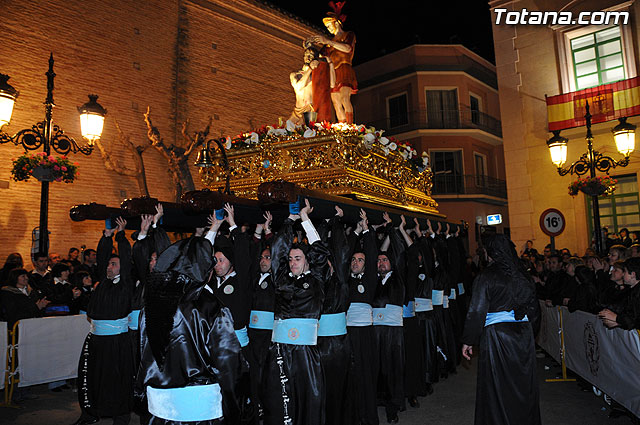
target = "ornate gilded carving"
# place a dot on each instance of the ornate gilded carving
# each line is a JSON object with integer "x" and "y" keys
{"x": 338, "y": 163}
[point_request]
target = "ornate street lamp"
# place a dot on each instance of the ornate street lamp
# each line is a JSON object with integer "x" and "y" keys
{"x": 49, "y": 136}
{"x": 589, "y": 162}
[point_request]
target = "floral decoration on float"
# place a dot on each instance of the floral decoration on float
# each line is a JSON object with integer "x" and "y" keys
{"x": 373, "y": 138}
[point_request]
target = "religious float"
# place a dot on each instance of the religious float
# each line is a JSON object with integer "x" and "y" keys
{"x": 308, "y": 155}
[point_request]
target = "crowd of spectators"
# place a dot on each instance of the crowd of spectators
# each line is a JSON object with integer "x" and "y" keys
{"x": 602, "y": 285}
{"x": 55, "y": 286}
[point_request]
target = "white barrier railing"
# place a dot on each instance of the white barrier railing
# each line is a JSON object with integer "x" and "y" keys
{"x": 49, "y": 348}
{"x": 38, "y": 351}
{"x": 607, "y": 358}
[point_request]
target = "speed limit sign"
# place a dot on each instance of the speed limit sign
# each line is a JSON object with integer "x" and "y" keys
{"x": 552, "y": 222}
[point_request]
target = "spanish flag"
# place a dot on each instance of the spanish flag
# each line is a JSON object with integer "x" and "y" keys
{"x": 606, "y": 102}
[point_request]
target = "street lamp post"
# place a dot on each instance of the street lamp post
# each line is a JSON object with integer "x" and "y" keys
{"x": 592, "y": 160}
{"x": 49, "y": 136}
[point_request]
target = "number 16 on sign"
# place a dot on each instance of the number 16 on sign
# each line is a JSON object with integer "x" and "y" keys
{"x": 552, "y": 223}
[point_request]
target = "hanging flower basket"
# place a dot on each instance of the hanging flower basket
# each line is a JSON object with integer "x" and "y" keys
{"x": 43, "y": 174}
{"x": 44, "y": 168}
{"x": 593, "y": 186}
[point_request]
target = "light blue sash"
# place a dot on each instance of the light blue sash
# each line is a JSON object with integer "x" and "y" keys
{"x": 409, "y": 310}
{"x": 332, "y": 324}
{"x": 133, "y": 319}
{"x": 452, "y": 295}
{"x": 295, "y": 331}
{"x": 503, "y": 317}
{"x": 243, "y": 336}
{"x": 423, "y": 304}
{"x": 359, "y": 314}
{"x": 460, "y": 288}
{"x": 110, "y": 327}
{"x": 437, "y": 297}
{"x": 391, "y": 315}
{"x": 186, "y": 404}
{"x": 261, "y": 320}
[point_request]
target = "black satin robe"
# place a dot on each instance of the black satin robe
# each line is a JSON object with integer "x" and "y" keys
{"x": 389, "y": 343}
{"x": 426, "y": 319}
{"x": 362, "y": 338}
{"x": 260, "y": 339}
{"x": 335, "y": 351}
{"x": 507, "y": 391}
{"x": 202, "y": 349}
{"x": 414, "y": 368}
{"x": 294, "y": 377}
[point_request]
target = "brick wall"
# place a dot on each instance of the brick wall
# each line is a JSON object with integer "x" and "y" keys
{"x": 184, "y": 59}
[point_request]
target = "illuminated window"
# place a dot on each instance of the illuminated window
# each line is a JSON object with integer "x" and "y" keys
{"x": 622, "y": 209}
{"x": 597, "y": 58}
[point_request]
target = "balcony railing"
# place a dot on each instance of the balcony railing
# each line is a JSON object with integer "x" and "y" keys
{"x": 473, "y": 184}
{"x": 461, "y": 118}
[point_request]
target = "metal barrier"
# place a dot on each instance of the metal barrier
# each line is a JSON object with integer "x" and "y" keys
{"x": 10, "y": 371}
{"x": 609, "y": 359}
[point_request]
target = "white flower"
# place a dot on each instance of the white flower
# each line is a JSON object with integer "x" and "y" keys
{"x": 404, "y": 154}
{"x": 254, "y": 137}
{"x": 384, "y": 141}
{"x": 227, "y": 143}
{"x": 279, "y": 131}
{"x": 291, "y": 127}
{"x": 369, "y": 137}
{"x": 392, "y": 146}
{"x": 308, "y": 133}
{"x": 386, "y": 150}
{"x": 425, "y": 161}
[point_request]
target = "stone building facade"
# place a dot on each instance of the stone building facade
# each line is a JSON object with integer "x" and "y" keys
{"x": 443, "y": 99}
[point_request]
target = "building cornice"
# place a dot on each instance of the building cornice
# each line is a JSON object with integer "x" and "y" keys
{"x": 262, "y": 16}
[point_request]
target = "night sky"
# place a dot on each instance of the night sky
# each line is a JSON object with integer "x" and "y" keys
{"x": 385, "y": 26}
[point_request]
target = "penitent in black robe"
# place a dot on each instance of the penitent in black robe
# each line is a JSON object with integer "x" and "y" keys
{"x": 507, "y": 391}
{"x": 106, "y": 367}
{"x": 187, "y": 336}
{"x": 293, "y": 379}
{"x": 335, "y": 350}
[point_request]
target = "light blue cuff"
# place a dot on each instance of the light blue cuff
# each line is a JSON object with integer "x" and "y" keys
{"x": 409, "y": 310}
{"x": 460, "y": 288}
{"x": 243, "y": 336}
{"x": 295, "y": 331}
{"x": 452, "y": 294}
{"x": 261, "y": 320}
{"x": 332, "y": 324}
{"x": 186, "y": 404}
